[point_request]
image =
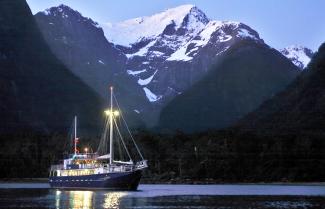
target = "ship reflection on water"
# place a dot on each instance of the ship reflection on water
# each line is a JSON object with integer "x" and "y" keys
{"x": 159, "y": 196}
{"x": 81, "y": 199}
{"x": 87, "y": 199}
{"x": 113, "y": 200}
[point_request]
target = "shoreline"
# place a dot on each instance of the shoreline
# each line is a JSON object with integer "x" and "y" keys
{"x": 176, "y": 182}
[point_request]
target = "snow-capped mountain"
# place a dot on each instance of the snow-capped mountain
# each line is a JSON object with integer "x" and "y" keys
{"x": 152, "y": 59}
{"x": 299, "y": 55}
{"x": 131, "y": 31}
{"x": 169, "y": 51}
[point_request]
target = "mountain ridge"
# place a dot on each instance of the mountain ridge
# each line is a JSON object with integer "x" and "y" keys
{"x": 38, "y": 93}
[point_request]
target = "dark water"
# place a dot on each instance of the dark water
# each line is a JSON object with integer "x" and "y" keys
{"x": 31, "y": 195}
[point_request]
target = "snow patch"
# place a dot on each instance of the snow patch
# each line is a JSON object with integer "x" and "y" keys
{"x": 212, "y": 27}
{"x": 47, "y": 12}
{"x": 193, "y": 50}
{"x": 130, "y": 72}
{"x": 180, "y": 54}
{"x": 202, "y": 39}
{"x": 297, "y": 55}
{"x": 243, "y": 33}
{"x": 205, "y": 35}
{"x": 151, "y": 96}
{"x": 225, "y": 38}
{"x": 156, "y": 53}
{"x": 173, "y": 90}
{"x": 143, "y": 51}
{"x": 144, "y": 82}
{"x": 137, "y": 111}
{"x": 129, "y": 56}
{"x": 101, "y": 62}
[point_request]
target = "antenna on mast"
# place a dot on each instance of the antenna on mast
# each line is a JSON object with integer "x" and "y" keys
{"x": 75, "y": 135}
{"x": 111, "y": 129}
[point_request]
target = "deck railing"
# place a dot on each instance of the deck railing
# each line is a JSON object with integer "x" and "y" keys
{"x": 120, "y": 168}
{"x": 109, "y": 168}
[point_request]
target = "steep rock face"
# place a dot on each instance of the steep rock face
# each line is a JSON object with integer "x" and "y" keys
{"x": 296, "y": 110}
{"x": 81, "y": 45}
{"x": 299, "y": 55}
{"x": 248, "y": 74}
{"x": 37, "y": 92}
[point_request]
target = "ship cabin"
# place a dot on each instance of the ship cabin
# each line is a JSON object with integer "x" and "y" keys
{"x": 89, "y": 164}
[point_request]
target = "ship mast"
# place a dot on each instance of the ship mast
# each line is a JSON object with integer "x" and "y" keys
{"x": 111, "y": 129}
{"x": 75, "y": 135}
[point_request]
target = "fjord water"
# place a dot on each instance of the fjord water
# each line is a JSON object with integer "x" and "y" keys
{"x": 39, "y": 195}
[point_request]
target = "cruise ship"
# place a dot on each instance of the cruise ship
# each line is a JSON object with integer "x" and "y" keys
{"x": 100, "y": 169}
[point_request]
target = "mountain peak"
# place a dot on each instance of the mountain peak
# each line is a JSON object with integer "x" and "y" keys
{"x": 61, "y": 9}
{"x": 299, "y": 55}
{"x": 181, "y": 12}
{"x": 185, "y": 8}
{"x": 135, "y": 29}
{"x": 67, "y": 12}
{"x": 63, "y": 6}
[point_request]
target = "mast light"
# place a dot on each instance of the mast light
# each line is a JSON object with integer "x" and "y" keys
{"x": 115, "y": 112}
